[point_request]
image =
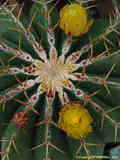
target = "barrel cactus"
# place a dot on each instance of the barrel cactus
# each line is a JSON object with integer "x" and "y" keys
{"x": 59, "y": 91}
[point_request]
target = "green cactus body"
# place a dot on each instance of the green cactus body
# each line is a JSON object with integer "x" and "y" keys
{"x": 42, "y": 69}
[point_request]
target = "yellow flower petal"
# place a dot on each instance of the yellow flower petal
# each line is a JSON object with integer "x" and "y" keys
{"x": 75, "y": 120}
{"x": 73, "y": 20}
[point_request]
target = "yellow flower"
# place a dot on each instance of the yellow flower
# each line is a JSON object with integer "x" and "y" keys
{"x": 75, "y": 120}
{"x": 73, "y": 20}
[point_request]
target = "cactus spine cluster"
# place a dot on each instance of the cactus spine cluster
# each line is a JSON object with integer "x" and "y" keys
{"x": 42, "y": 70}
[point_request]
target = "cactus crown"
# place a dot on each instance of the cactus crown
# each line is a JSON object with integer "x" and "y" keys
{"x": 43, "y": 70}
